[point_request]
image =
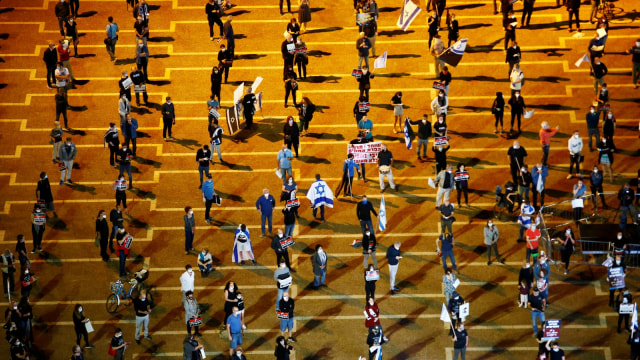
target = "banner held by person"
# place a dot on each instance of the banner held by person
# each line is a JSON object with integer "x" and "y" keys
{"x": 365, "y": 153}
{"x": 453, "y": 55}
{"x": 382, "y": 215}
{"x": 408, "y": 13}
{"x": 381, "y": 61}
{"x": 408, "y": 133}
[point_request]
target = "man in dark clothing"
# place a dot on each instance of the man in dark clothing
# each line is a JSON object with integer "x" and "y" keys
{"x": 517, "y": 156}
{"x": 445, "y": 78}
{"x": 288, "y": 7}
{"x": 213, "y": 16}
{"x": 599, "y": 70}
{"x": 216, "y": 81}
{"x": 248, "y": 108}
{"x": 369, "y": 249}
{"x": 527, "y": 10}
{"x": 635, "y": 61}
{"x": 460, "y": 342}
{"x": 626, "y": 195}
{"x": 142, "y": 307}
{"x": 228, "y": 35}
{"x": 374, "y": 340}
{"x": 363, "y": 211}
{"x": 518, "y": 108}
{"x": 537, "y": 304}
{"x": 593, "y": 118}
{"x": 526, "y": 274}
{"x": 446, "y": 216}
{"x": 202, "y": 158}
{"x": 168, "y": 118}
{"x": 424, "y": 133}
{"x": 349, "y": 169}
{"x": 634, "y": 343}
{"x": 454, "y": 309}
{"x": 61, "y": 108}
{"x": 43, "y": 193}
{"x": 573, "y": 7}
{"x": 510, "y": 24}
{"x": 140, "y": 87}
{"x": 50, "y": 59}
{"x": 112, "y": 140}
{"x": 115, "y": 216}
{"x": 513, "y": 56}
{"x": 63, "y": 12}
{"x": 281, "y": 253}
{"x": 287, "y": 49}
{"x": 364, "y": 82}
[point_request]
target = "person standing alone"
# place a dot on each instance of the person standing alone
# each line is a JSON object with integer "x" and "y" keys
{"x": 168, "y": 118}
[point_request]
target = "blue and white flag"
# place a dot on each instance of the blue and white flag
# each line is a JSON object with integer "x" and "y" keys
{"x": 584, "y": 58}
{"x": 409, "y": 12}
{"x": 382, "y": 220}
{"x": 259, "y": 98}
{"x": 453, "y": 55}
{"x": 408, "y": 133}
{"x": 320, "y": 194}
{"x": 634, "y": 318}
{"x": 381, "y": 61}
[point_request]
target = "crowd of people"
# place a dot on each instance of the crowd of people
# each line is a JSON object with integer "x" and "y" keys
{"x": 533, "y": 278}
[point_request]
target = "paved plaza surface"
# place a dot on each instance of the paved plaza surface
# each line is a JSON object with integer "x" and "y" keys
{"x": 329, "y": 323}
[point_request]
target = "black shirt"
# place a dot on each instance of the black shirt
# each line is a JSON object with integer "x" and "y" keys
{"x": 525, "y": 179}
{"x": 385, "y": 157}
{"x": 446, "y": 210}
{"x": 445, "y": 78}
{"x": 363, "y": 211}
{"x": 116, "y": 218}
{"x": 203, "y": 156}
{"x": 212, "y": 10}
{"x": 536, "y": 302}
{"x": 368, "y": 243}
{"x": 137, "y": 77}
{"x": 44, "y": 188}
{"x": 424, "y": 129}
{"x": 141, "y": 306}
{"x": 287, "y": 306}
{"x": 461, "y": 339}
{"x": 248, "y": 103}
{"x": 626, "y": 196}
{"x": 50, "y": 57}
{"x": 519, "y": 154}
{"x": 168, "y": 111}
{"x": 124, "y": 156}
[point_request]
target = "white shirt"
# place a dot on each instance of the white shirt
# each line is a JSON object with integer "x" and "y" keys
{"x": 63, "y": 72}
{"x": 187, "y": 281}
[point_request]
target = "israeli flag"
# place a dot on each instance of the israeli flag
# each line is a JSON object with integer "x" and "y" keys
{"x": 382, "y": 221}
{"x": 409, "y": 12}
{"x": 408, "y": 133}
{"x": 259, "y": 98}
{"x": 634, "y": 318}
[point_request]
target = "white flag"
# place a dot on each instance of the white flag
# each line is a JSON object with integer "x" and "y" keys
{"x": 409, "y": 12}
{"x": 237, "y": 93}
{"x": 381, "y": 62}
{"x": 256, "y": 83}
{"x": 382, "y": 222}
{"x": 259, "y": 98}
{"x": 444, "y": 315}
{"x": 634, "y": 318}
{"x": 529, "y": 113}
{"x": 584, "y": 58}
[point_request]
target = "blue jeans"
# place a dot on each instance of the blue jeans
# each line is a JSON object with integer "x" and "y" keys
{"x": 288, "y": 230}
{"x": 444, "y": 259}
{"x": 284, "y": 172}
{"x": 315, "y": 211}
{"x": 545, "y": 154}
{"x": 286, "y": 323}
{"x": 270, "y": 218}
{"x": 423, "y": 143}
{"x": 280, "y": 292}
{"x": 207, "y": 267}
{"x": 366, "y": 61}
{"x": 536, "y": 315}
{"x": 364, "y": 224}
{"x": 188, "y": 240}
{"x": 317, "y": 277}
{"x": 203, "y": 170}
{"x": 123, "y": 258}
{"x": 126, "y": 167}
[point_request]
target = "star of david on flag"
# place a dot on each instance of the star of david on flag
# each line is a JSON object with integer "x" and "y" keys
{"x": 382, "y": 222}
{"x": 409, "y": 12}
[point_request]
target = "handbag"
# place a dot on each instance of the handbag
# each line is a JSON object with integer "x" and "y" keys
{"x": 581, "y": 159}
{"x": 112, "y": 352}
{"x": 217, "y": 199}
{"x": 88, "y": 326}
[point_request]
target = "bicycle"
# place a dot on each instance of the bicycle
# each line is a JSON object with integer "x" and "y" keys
{"x": 136, "y": 284}
{"x": 605, "y": 9}
{"x": 506, "y": 203}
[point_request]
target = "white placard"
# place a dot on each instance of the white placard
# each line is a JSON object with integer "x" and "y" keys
{"x": 89, "y": 327}
{"x": 237, "y": 93}
{"x": 529, "y": 113}
{"x": 256, "y": 83}
{"x": 456, "y": 283}
{"x": 577, "y": 203}
{"x": 626, "y": 309}
{"x": 365, "y": 153}
{"x": 464, "y": 310}
{"x": 203, "y": 355}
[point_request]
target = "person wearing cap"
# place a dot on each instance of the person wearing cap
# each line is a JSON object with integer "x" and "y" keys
{"x": 635, "y": 61}
{"x": 537, "y": 304}
{"x": 50, "y": 59}
{"x": 545, "y": 140}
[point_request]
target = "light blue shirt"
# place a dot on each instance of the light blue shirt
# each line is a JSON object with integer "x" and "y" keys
{"x": 283, "y": 158}
{"x": 112, "y": 30}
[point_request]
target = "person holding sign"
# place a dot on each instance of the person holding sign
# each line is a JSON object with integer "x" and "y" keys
{"x": 449, "y": 284}
{"x": 80, "y": 326}
{"x": 579, "y": 191}
{"x": 191, "y": 313}
{"x": 454, "y": 308}
{"x": 615, "y": 276}
{"x": 623, "y": 304}
{"x": 460, "y": 342}
{"x": 371, "y": 275}
{"x": 286, "y": 315}
{"x": 282, "y": 277}
{"x": 280, "y": 244}
{"x": 364, "y": 81}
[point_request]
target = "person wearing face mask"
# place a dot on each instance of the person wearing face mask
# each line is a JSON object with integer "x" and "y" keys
{"x": 265, "y": 205}
{"x": 609, "y": 125}
{"x": 385, "y": 165}
{"x": 50, "y": 59}
{"x": 517, "y": 156}
{"x": 619, "y": 246}
{"x": 216, "y": 81}
{"x": 624, "y": 298}
{"x": 510, "y": 23}
{"x": 305, "y": 114}
{"x": 142, "y": 308}
{"x": 300, "y": 57}
{"x": 231, "y": 300}
{"x": 593, "y": 119}
{"x": 289, "y": 192}
{"x": 526, "y": 274}
{"x": 545, "y": 135}
{"x": 491, "y": 237}
{"x": 603, "y": 100}
{"x": 225, "y": 62}
{"x": 202, "y": 158}
{"x": 122, "y": 251}
{"x": 111, "y": 139}
{"x": 375, "y": 339}
{"x": 191, "y": 313}
{"x": 289, "y": 220}
{"x": 555, "y": 353}
{"x": 626, "y": 195}
{"x": 213, "y": 11}
{"x": 124, "y": 106}
{"x": 117, "y": 221}
{"x": 286, "y": 315}
{"x": 319, "y": 261}
{"x": 287, "y": 50}
{"x": 21, "y": 252}
{"x": 118, "y": 345}
{"x": 439, "y": 106}
{"x": 290, "y": 87}
{"x": 102, "y": 234}
{"x": 462, "y": 183}
{"x": 634, "y": 51}
{"x": 63, "y": 12}
{"x": 282, "y": 277}
{"x": 363, "y": 211}
{"x": 142, "y": 30}
{"x": 460, "y": 341}
{"x": 575, "y": 148}
{"x": 283, "y": 349}
{"x": 63, "y": 56}
{"x": 598, "y": 71}
{"x": 205, "y": 262}
{"x": 249, "y": 102}
{"x": 139, "y": 86}
{"x": 142, "y": 58}
{"x": 606, "y": 148}
{"x": 518, "y": 107}
{"x": 191, "y": 348}
{"x": 242, "y": 249}
{"x": 72, "y": 32}
{"x": 596, "y": 186}
{"x": 79, "y": 325}
{"x": 319, "y": 194}
{"x": 567, "y": 248}
{"x": 424, "y": 133}
{"x": 514, "y": 55}
{"x": 43, "y": 194}
{"x": 189, "y": 229}
{"x": 282, "y": 254}
{"x": 284, "y": 160}
{"x": 363, "y": 45}
{"x": 444, "y": 180}
{"x": 579, "y": 192}
{"x": 532, "y": 235}
{"x": 525, "y": 218}
{"x": 18, "y": 350}
{"x": 62, "y": 104}
{"x": 433, "y": 24}
{"x": 131, "y": 133}
{"x": 77, "y": 353}
{"x": 436, "y": 49}
{"x": 187, "y": 281}
{"x": 67, "y": 154}
{"x": 372, "y": 314}
{"x": 27, "y": 281}
{"x": 124, "y": 158}
{"x": 62, "y": 78}
{"x": 454, "y": 309}
{"x": 38, "y": 221}
{"x": 524, "y": 183}
{"x": 291, "y": 134}
{"x": 539, "y": 176}
{"x": 229, "y": 36}
{"x": 444, "y": 245}
{"x": 112, "y": 38}
{"x": 370, "y": 280}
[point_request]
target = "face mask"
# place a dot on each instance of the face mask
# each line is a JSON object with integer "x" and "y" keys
{"x": 124, "y": 148}
{"x": 141, "y": 45}
{"x": 364, "y": 201}
{"x": 592, "y": 111}
{"x": 37, "y": 210}
{"x": 223, "y": 49}
{"x": 18, "y": 342}
{"x": 440, "y": 120}
{"x": 239, "y": 354}
{"x": 440, "y": 149}
{"x": 533, "y": 227}
{"x": 143, "y": 299}
{"x": 190, "y": 271}
{"x": 610, "y": 116}
{"x": 461, "y": 328}
{"x": 523, "y": 170}
{"x": 424, "y": 121}
{"x": 568, "y": 232}
{"x": 365, "y": 71}
{"x": 68, "y": 144}
{"x": 595, "y": 171}
{"x": 266, "y": 195}
{"x": 280, "y": 235}
{"x": 490, "y": 224}
{"x": 617, "y": 262}
{"x": 299, "y": 42}
{"x": 216, "y": 71}
{"x": 638, "y": 44}
{"x": 285, "y": 298}
{"x": 457, "y": 297}
{"x": 15, "y": 308}
{"x": 441, "y": 95}
{"x": 282, "y": 342}
{"x": 79, "y": 309}
{"x": 118, "y": 335}
{"x": 543, "y": 261}
{"x": 290, "y": 182}
{"x": 517, "y": 96}
{"x": 556, "y": 349}
{"x": 290, "y": 122}
{"x": 619, "y": 237}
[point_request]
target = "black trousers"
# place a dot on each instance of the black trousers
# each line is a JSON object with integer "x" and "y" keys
{"x": 62, "y": 112}
{"x": 288, "y": 6}
{"x": 293, "y": 95}
{"x": 498, "y": 115}
{"x": 295, "y": 146}
{"x": 207, "y": 211}
{"x": 145, "y": 97}
{"x": 348, "y": 186}
{"x": 131, "y": 140}
{"x": 509, "y": 35}
{"x": 515, "y": 115}
{"x": 112, "y": 155}
{"x": 283, "y": 255}
{"x": 226, "y": 75}
{"x": 370, "y": 289}
{"x": 121, "y": 197}
{"x": 598, "y": 188}
{"x": 302, "y": 70}
{"x": 248, "y": 118}
{"x": 37, "y": 231}
{"x": 514, "y": 172}
{"x": 574, "y": 159}
{"x": 168, "y": 123}
{"x": 51, "y": 75}
{"x": 142, "y": 65}
{"x": 465, "y": 191}
{"x": 12, "y": 282}
{"x": 104, "y": 241}
{"x": 74, "y": 5}
{"x": 575, "y": 14}
{"x": 527, "y": 10}
{"x": 215, "y": 91}
{"x": 214, "y": 20}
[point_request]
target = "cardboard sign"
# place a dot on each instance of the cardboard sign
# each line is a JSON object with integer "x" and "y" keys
{"x": 456, "y": 283}
{"x": 291, "y": 47}
{"x": 127, "y": 241}
{"x": 372, "y": 275}
{"x": 293, "y": 203}
{"x": 282, "y": 315}
{"x": 616, "y": 278}
{"x": 357, "y": 73}
{"x": 552, "y": 330}
{"x": 441, "y": 140}
{"x": 363, "y": 18}
{"x": 285, "y": 283}
{"x": 365, "y": 153}
{"x": 364, "y": 107}
{"x": 195, "y": 321}
{"x": 140, "y": 88}
{"x": 438, "y": 85}
{"x": 286, "y": 242}
{"x": 120, "y": 184}
{"x": 464, "y": 310}
{"x": 40, "y": 219}
{"x": 301, "y": 50}
{"x": 626, "y": 309}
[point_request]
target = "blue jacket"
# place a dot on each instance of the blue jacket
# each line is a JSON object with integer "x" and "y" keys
{"x": 266, "y": 205}
{"x": 351, "y": 166}
{"x": 592, "y": 120}
{"x": 447, "y": 242}
{"x": 207, "y": 189}
{"x": 535, "y": 176}
{"x": 392, "y": 252}
{"x": 134, "y": 127}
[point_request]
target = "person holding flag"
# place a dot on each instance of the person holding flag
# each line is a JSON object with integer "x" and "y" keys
{"x": 460, "y": 341}
{"x": 408, "y": 133}
{"x": 319, "y": 195}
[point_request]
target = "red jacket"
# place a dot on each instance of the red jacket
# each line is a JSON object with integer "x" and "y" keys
{"x": 372, "y": 315}
{"x": 546, "y": 134}
{"x": 120, "y": 247}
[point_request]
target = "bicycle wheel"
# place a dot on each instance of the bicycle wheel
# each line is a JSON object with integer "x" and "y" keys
{"x": 112, "y": 303}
